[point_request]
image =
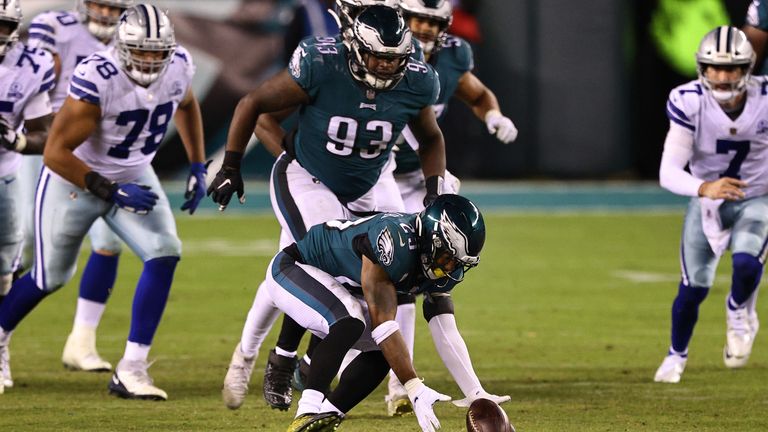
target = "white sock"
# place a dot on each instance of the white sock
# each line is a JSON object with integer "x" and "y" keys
{"x": 284, "y": 353}
{"x": 136, "y": 352}
{"x": 89, "y": 312}
{"x": 751, "y": 302}
{"x": 327, "y": 406}
{"x": 307, "y": 359}
{"x": 310, "y": 402}
{"x": 406, "y": 319}
{"x": 260, "y": 319}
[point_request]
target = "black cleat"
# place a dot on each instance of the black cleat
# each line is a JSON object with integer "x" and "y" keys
{"x": 278, "y": 380}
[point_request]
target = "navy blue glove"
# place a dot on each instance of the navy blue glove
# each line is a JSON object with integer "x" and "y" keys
{"x": 135, "y": 198}
{"x": 195, "y": 186}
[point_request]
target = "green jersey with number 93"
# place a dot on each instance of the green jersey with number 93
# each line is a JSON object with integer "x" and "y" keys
{"x": 347, "y": 130}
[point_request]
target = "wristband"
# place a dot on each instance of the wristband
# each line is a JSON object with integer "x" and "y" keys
{"x": 384, "y": 330}
{"x": 98, "y": 185}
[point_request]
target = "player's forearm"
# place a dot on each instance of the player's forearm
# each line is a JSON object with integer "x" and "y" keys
{"x": 35, "y": 143}
{"x": 485, "y": 102}
{"x": 678, "y": 150}
{"x": 64, "y": 163}
{"x": 243, "y": 124}
{"x": 432, "y": 155}
{"x": 454, "y": 353}
{"x": 396, "y": 353}
{"x": 271, "y": 135}
{"x": 189, "y": 123}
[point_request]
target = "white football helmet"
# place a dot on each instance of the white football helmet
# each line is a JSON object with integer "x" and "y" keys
{"x": 440, "y": 11}
{"x": 101, "y": 26}
{"x": 348, "y": 10}
{"x": 144, "y": 29}
{"x": 381, "y": 32}
{"x": 725, "y": 46}
{"x": 10, "y": 15}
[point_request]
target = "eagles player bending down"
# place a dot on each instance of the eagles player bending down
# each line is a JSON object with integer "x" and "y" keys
{"x": 378, "y": 257}
{"x": 354, "y": 102}
{"x": 71, "y": 37}
{"x": 25, "y": 115}
{"x": 97, "y": 165}
{"x": 717, "y": 127}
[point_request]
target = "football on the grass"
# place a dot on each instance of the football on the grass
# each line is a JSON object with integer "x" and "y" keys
{"x": 485, "y": 415}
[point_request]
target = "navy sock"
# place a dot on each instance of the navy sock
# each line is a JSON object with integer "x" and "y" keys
{"x": 330, "y": 352}
{"x": 290, "y": 336}
{"x": 747, "y": 271}
{"x": 99, "y": 277}
{"x": 150, "y": 298}
{"x": 685, "y": 312}
{"x": 21, "y": 299}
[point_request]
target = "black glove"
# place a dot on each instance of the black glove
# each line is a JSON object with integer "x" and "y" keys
{"x": 434, "y": 189}
{"x": 227, "y": 181}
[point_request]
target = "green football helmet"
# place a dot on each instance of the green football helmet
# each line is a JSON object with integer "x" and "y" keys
{"x": 451, "y": 234}
{"x": 379, "y": 32}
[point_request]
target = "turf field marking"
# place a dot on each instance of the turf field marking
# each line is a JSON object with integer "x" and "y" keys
{"x": 266, "y": 248}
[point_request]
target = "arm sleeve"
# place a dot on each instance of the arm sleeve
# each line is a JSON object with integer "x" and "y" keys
{"x": 678, "y": 149}
{"x": 42, "y": 32}
{"x": 453, "y": 351}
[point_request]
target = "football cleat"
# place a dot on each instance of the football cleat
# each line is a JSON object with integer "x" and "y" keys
{"x": 236, "y": 381}
{"x": 131, "y": 381}
{"x": 5, "y": 367}
{"x": 80, "y": 351}
{"x": 739, "y": 336}
{"x": 323, "y": 422}
{"x": 671, "y": 369}
{"x": 278, "y": 377}
{"x": 398, "y": 405}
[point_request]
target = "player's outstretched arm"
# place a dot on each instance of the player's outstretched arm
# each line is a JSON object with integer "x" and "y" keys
{"x": 485, "y": 106}
{"x": 431, "y": 151}
{"x": 277, "y": 93}
{"x": 382, "y": 305}
{"x": 73, "y": 124}
{"x": 450, "y": 345}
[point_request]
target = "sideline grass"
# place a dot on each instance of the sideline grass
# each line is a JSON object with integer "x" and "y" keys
{"x": 569, "y": 314}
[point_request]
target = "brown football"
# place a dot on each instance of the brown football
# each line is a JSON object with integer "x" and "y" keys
{"x": 485, "y": 415}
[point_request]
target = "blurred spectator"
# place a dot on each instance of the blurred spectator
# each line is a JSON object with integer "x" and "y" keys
{"x": 465, "y": 24}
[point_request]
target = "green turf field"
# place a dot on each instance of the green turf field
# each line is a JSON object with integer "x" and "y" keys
{"x": 569, "y": 314}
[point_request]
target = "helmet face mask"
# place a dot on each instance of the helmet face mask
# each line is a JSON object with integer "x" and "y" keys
{"x": 725, "y": 49}
{"x": 102, "y": 16}
{"x": 380, "y": 47}
{"x": 10, "y": 18}
{"x": 145, "y": 43}
{"x": 451, "y": 234}
{"x": 437, "y": 12}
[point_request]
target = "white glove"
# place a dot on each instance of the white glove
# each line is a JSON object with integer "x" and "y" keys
{"x": 500, "y": 126}
{"x": 480, "y": 394}
{"x": 422, "y": 398}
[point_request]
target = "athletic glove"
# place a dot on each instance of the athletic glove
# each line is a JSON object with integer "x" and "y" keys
{"x": 434, "y": 189}
{"x": 500, "y": 126}
{"x": 227, "y": 181}
{"x": 422, "y": 398}
{"x": 131, "y": 197}
{"x": 195, "y": 186}
{"x": 9, "y": 138}
{"x": 480, "y": 394}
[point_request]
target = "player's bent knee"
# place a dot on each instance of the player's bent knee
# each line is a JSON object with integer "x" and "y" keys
{"x": 167, "y": 247}
{"x": 746, "y": 266}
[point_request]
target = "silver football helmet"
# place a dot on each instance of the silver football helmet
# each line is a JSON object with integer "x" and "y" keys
{"x": 725, "y": 46}
{"x": 348, "y": 10}
{"x": 145, "y": 43}
{"x": 10, "y": 15}
{"x": 101, "y": 26}
{"x": 379, "y": 32}
{"x": 439, "y": 11}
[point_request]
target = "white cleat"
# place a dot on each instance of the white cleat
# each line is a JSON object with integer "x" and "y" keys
{"x": 6, "y": 380}
{"x": 131, "y": 381}
{"x": 671, "y": 369}
{"x": 739, "y": 336}
{"x": 236, "y": 381}
{"x": 80, "y": 351}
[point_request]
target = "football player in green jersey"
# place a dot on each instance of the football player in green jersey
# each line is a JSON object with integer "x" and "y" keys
{"x": 354, "y": 101}
{"x": 377, "y": 257}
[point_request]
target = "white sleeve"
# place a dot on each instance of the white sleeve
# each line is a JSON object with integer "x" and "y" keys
{"x": 678, "y": 149}
{"x": 453, "y": 351}
{"x": 38, "y": 106}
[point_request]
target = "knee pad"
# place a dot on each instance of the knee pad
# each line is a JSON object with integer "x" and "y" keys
{"x": 692, "y": 296}
{"x": 746, "y": 266}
